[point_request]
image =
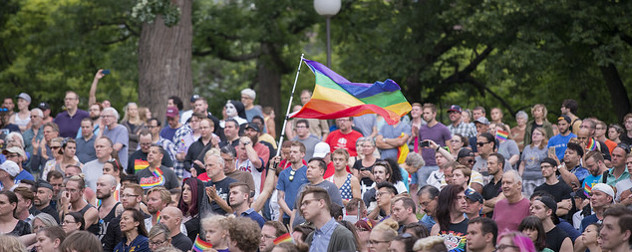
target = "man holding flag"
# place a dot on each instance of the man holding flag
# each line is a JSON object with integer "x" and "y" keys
{"x": 391, "y": 138}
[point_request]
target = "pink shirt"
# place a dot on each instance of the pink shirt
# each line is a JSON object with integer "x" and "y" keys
{"x": 508, "y": 216}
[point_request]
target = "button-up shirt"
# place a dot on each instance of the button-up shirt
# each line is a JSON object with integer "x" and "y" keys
{"x": 464, "y": 129}
{"x": 320, "y": 242}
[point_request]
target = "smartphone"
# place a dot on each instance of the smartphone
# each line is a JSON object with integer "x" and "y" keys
{"x": 106, "y": 71}
{"x": 552, "y": 151}
{"x": 425, "y": 144}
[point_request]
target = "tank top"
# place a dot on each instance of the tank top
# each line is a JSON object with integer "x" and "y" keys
{"x": 345, "y": 190}
{"x": 103, "y": 223}
{"x": 21, "y": 122}
{"x": 94, "y": 228}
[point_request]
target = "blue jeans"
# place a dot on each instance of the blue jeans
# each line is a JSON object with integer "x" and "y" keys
{"x": 423, "y": 173}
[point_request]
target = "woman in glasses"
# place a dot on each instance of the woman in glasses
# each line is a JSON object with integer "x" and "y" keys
{"x": 382, "y": 235}
{"x": 55, "y": 148}
{"x": 514, "y": 241}
{"x": 458, "y": 142}
{"x": 159, "y": 237}
{"x": 532, "y": 156}
{"x": 72, "y": 222}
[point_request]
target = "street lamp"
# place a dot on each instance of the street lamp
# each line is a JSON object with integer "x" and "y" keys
{"x": 327, "y": 8}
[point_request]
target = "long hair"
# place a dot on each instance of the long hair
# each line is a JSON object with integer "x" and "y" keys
{"x": 396, "y": 173}
{"x": 545, "y": 141}
{"x": 534, "y": 223}
{"x": 195, "y": 185}
{"x": 138, "y": 217}
{"x": 520, "y": 240}
{"x": 447, "y": 197}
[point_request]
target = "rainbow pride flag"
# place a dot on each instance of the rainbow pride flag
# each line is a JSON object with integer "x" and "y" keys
{"x": 200, "y": 245}
{"x": 157, "y": 180}
{"x": 140, "y": 164}
{"x": 502, "y": 135}
{"x": 402, "y": 151}
{"x": 287, "y": 237}
{"x": 591, "y": 145}
{"x": 335, "y": 97}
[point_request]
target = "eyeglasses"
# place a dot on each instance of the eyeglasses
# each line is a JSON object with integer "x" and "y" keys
{"x": 382, "y": 193}
{"x": 505, "y": 246}
{"x": 480, "y": 144}
{"x": 291, "y": 178}
{"x": 156, "y": 243}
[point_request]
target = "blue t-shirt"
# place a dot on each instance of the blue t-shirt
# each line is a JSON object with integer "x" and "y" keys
{"x": 581, "y": 173}
{"x": 559, "y": 142}
{"x": 291, "y": 188}
{"x": 168, "y": 133}
{"x": 393, "y": 131}
{"x": 589, "y": 182}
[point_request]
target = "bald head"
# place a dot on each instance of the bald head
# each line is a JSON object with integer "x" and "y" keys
{"x": 172, "y": 217}
{"x": 107, "y": 179}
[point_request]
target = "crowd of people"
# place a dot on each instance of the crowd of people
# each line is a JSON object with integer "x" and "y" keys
{"x": 93, "y": 181}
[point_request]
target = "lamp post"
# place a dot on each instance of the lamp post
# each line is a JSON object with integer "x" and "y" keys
{"x": 328, "y": 9}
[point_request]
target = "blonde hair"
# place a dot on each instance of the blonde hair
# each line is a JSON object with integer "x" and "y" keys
{"x": 388, "y": 228}
{"x": 221, "y": 220}
{"x": 430, "y": 244}
{"x": 11, "y": 244}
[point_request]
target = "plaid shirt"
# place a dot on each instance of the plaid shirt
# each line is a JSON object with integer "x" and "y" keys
{"x": 464, "y": 129}
{"x": 182, "y": 139}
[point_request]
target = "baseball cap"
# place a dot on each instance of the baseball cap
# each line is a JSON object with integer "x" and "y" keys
{"x": 465, "y": 152}
{"x": 321, "y": 149}
{"x": 14, "y": 149}
{"x": 549, "y": 203}
{"x": 195, "y": 97}
{"x": 604, "y": 188}
{"x": 43, "y": 183}
{"x": 172, "y": 111}
{"x": 473, "y": 196}
{"x": 43, "y": 106}
{"x": 564, "y": 117}
{"x": 253, "y": 126}
{"x": 482, "y": 120}
{"x": 25, "y": 96}
{"x": 455, "y": 108}
{"x": 10, "y": 167}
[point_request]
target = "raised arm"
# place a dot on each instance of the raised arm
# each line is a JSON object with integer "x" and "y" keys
{"x": 93, "y": 87}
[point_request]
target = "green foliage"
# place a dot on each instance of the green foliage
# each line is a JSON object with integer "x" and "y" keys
{"x": 146, "y": 11}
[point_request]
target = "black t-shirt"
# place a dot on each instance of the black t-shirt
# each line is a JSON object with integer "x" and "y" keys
{"x": 560, "y": 191}
{"x": 140, "y": 155}
{"x": 492, "y": 190}
{"x": 52, "y": 211}
{"x": 181, "y": 242}
{"x": 358, "y": 166}
{"x": 554, "y": 238}
{"x": 222, "y": 189}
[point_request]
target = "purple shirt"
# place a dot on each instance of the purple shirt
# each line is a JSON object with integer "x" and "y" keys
{"x": 68, "y": 126}
{"x": 438, "y": 133}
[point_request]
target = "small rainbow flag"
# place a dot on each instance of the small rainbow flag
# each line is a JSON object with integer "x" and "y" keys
{"x": 200, "y": 245}
{"x": 592, "y": 145}
{"x": 140, "y": 164}
{"x": 502, "y": 135}
{"x": 283, "y": 238}
{"x": 158, "y": 217}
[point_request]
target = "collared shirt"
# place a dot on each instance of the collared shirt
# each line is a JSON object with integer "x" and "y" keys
{"x": 250, "y": 213}
{"x": 464, "y": 129}
{"x": 612, "y": 180}
{"x": 322, "y": 236}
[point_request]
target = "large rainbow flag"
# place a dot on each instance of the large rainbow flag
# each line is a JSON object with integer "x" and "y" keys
{"x": 335, "y": 97}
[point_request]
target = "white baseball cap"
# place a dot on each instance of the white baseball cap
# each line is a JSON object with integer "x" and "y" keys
{"x": 321, "y": 150}
{"x": 10, "y": 167}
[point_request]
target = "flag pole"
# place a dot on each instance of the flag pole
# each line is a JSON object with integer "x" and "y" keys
{"x": 289, "y": 105}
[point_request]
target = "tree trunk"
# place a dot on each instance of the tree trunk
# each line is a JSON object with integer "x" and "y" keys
{"x": 269, "y": 84}
{"x": 620, "y": 100}
{"x": 164, "y": 61}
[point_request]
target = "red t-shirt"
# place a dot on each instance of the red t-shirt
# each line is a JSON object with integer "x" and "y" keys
{"x": 337, "y": 140}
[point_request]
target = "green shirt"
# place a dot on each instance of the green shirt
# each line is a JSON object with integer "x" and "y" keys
{"x": 611, "y": 180}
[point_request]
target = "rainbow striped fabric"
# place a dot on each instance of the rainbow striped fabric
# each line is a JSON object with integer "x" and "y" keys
{"x": 287, "y": 237}
{"x": 200, "y": 245}
{"x": 591, "y": 145}
{"x": 502, "y": 135}
{"x": 335, "y": 97}
{"x": 140, "y": 164}
{"x": 157, "y": 180}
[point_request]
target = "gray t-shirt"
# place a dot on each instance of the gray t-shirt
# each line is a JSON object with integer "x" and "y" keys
{"x": 532, "y": 157}
{"x": 119, "y": 135}
{"x": 331, "y": 189}
{"x": 167, "y": 179}
{"x": 508, "y": 148}
{"x": 310, "y": 142}
{"x": 365, "y": 123}
{"x": 93, "y": 170}
{"x": 393, "y": 131}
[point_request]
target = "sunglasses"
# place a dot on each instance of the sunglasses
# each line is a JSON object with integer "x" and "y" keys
{"x": 291, "y": 178}
{"x": 480, "y": 144}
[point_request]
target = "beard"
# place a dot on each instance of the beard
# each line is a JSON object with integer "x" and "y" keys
{"x": 104, "y": 196}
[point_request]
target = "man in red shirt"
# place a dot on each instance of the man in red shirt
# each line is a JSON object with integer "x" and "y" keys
{"x": 344, "y": 137}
